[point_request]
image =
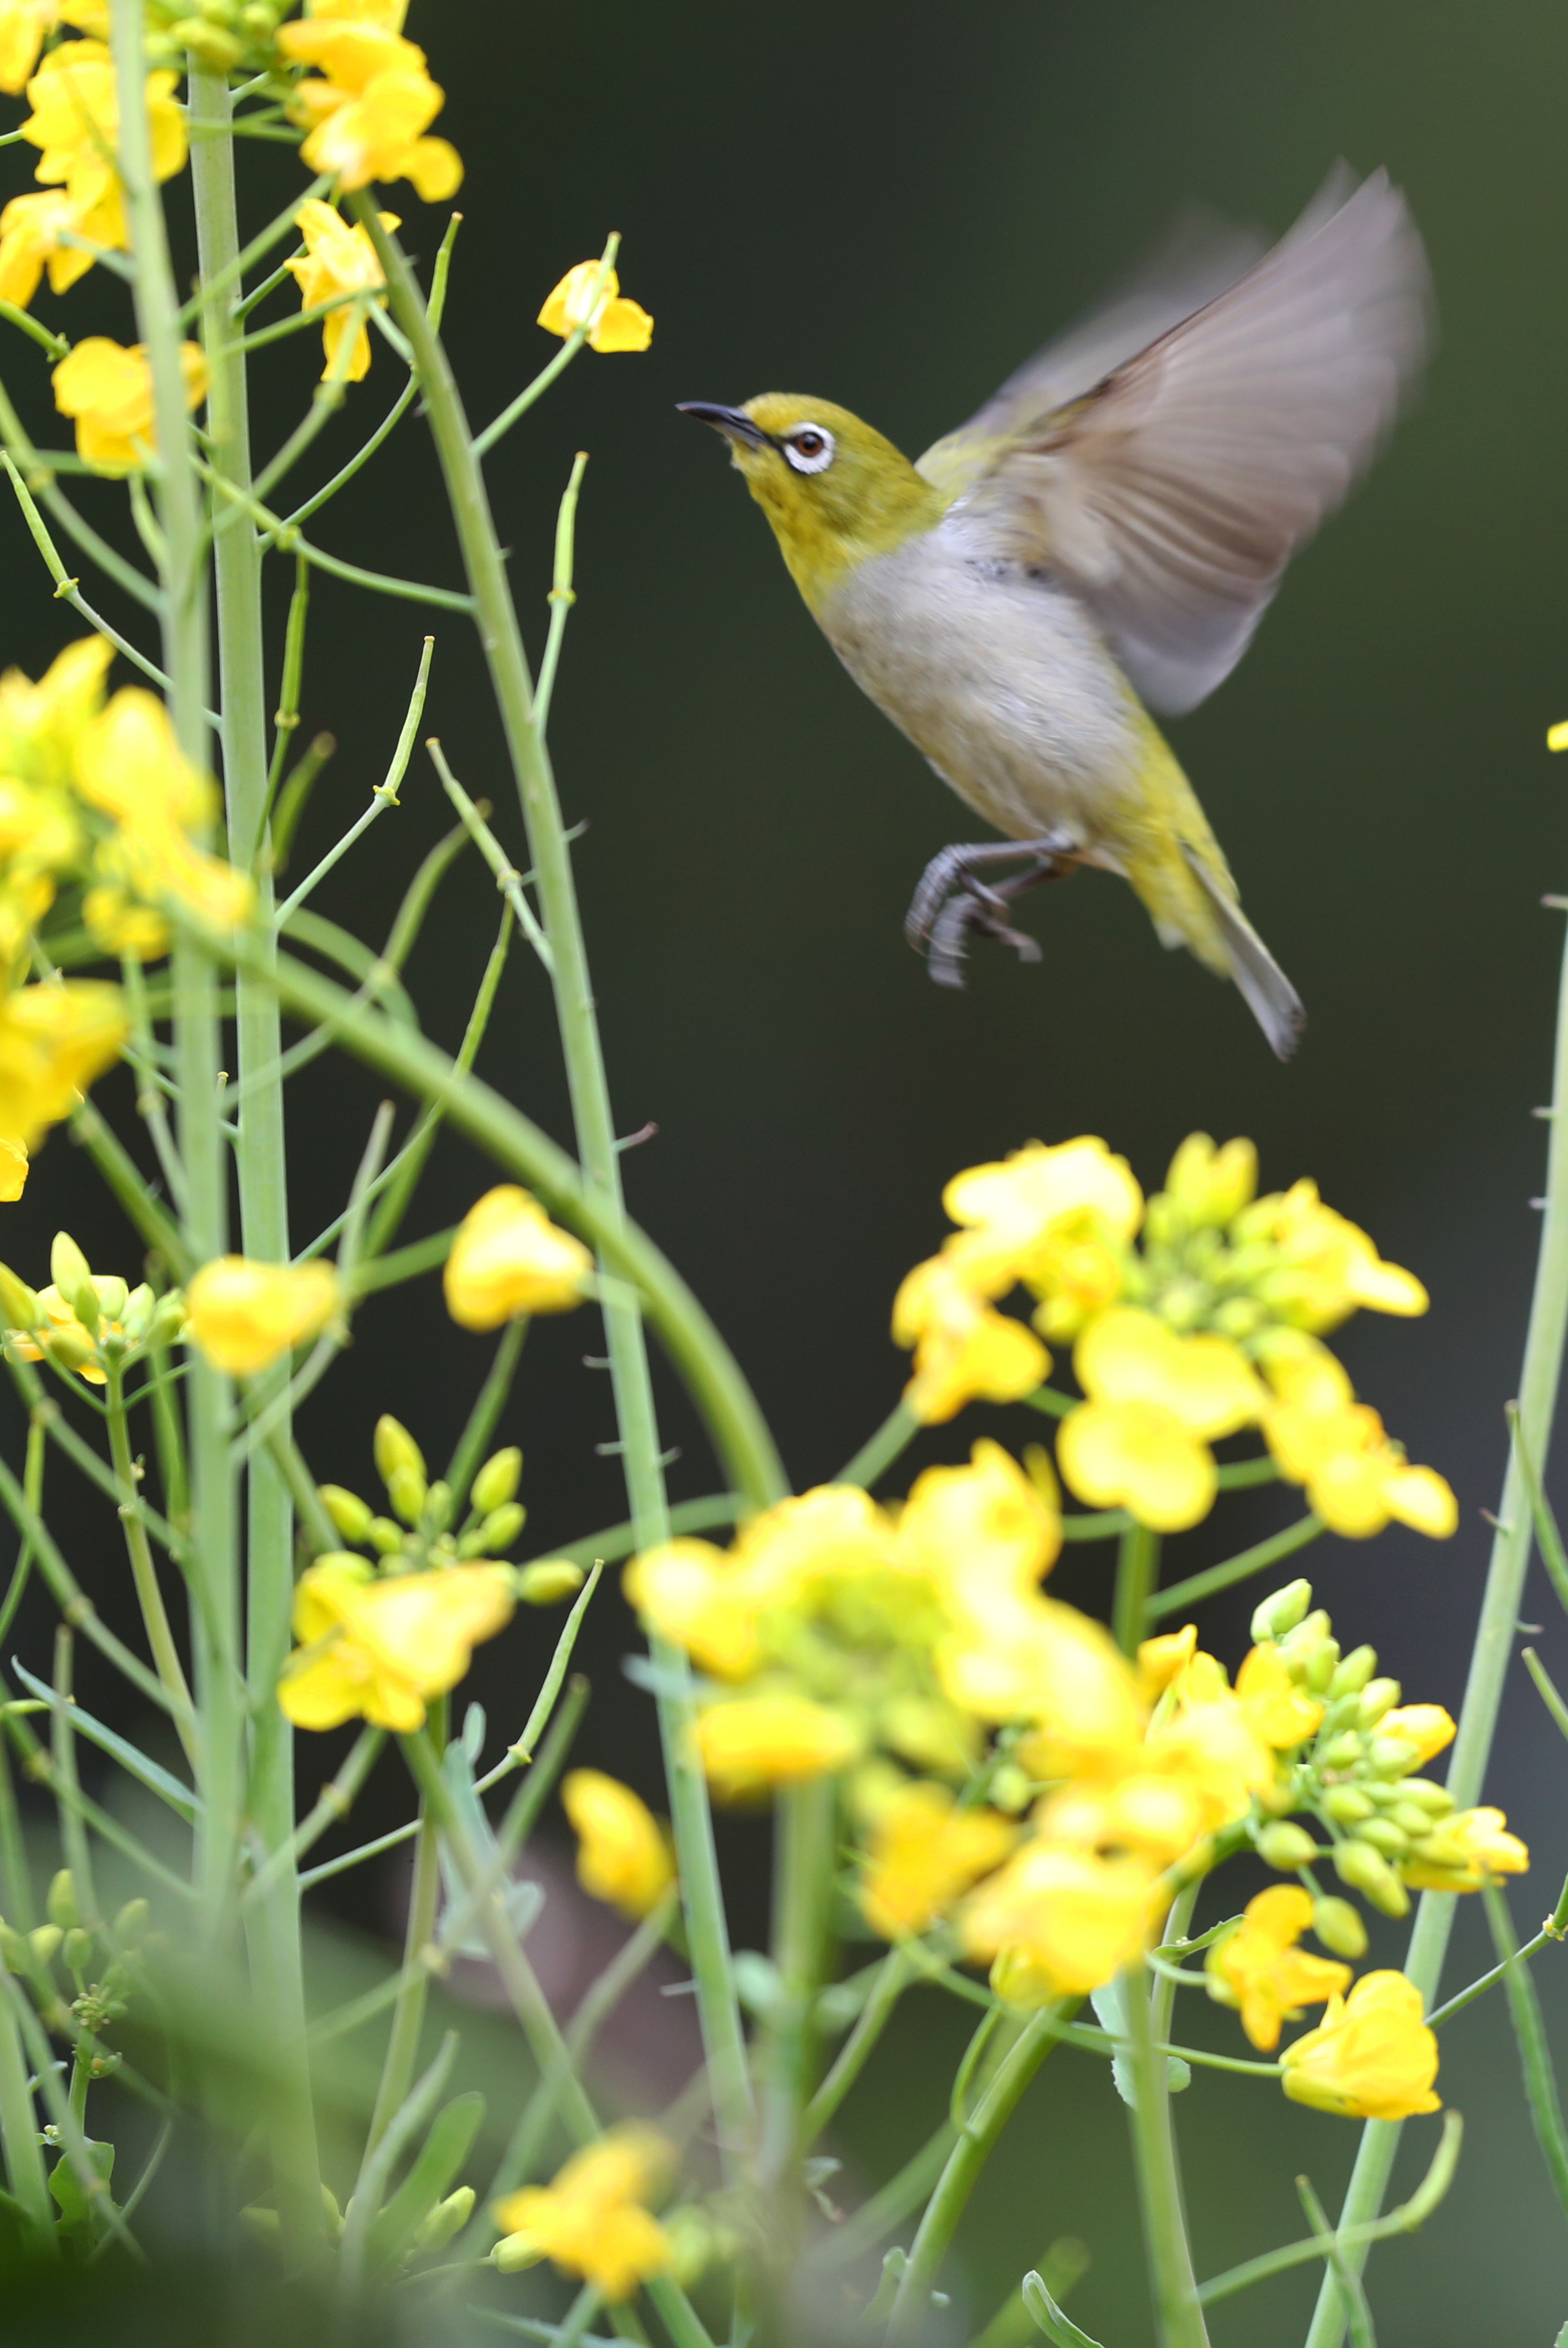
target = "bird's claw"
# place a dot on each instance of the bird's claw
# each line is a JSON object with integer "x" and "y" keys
{"x": 952, "y": 899}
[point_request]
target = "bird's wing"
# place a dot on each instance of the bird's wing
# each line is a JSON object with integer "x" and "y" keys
{"x": 1170, "y": 489}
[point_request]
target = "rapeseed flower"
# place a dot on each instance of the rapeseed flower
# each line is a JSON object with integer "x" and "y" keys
{"x": 751, "y": 1743}
{"x": 593, "y": 2219}
{"x": 614, "y": 323}
{"x": 76, "y": 123}
{"x": 1462, "y": 1852}
{"x": 1259, "y": 1969}
{"x": 922, "y": 1853}
{"x": 106, "y": 390}
{"x": 1372, "y": 2057}
{"x": 368, "y": 111}
{"x": 964, "y": 1350}
{"x": 54, "y": 1041}
{"x": 13, "y": 1171}
{"x": 1430, "y": 1728}
{"x": 25, "y": 24}
{"x": 1156, "y": 1401}
{"x": 623, "y": 1853}
{"x": 339, "y": 259}
{"x": 509, "y": 1258}
{"x": 1062, "y": 1920}
{"x": 378, "y": 1649}
{"x": 244, "y": 1315}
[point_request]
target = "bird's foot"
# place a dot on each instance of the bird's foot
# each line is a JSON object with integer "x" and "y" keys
{"x": 952, "y": 899}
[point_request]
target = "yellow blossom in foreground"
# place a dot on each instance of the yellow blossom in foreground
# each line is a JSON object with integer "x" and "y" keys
{"x": 1355, "y": 1478}
{"x": 33, "y": 232}
{"x": 242, "y": 1315}
{"x": 106, "y": 390}
{"x": 12, "y": 1170}
{"x": 922, "y": 1852}
{"x": 509, "y": 1258}
{"x": 1259, "y": 1968}
{"x": 1462, "y": 1852}
{"x": 1155, "y": 1400}
{"x": 1372, "y": 2057}
{"x": 623, "y": 1852}
{"x": 1327, "y": 1268}
{"x": 53, "y": 1042}
{"x": 1075, "y": 1919}
{"x": 1274, "y": 1706}
{"x": 965, "y": 1350}
{"x": 75, "y": 122}
{"x": 24, "y": 24}
{"x": 614, "y": 323}
{"x": 755, "y": 1742}
{"x": 593, "y": 2220}
{"x": 372, "y": 104}
{"x": 1011, "y": 1207}
{"x": 339, "y": 259}
{"x": 380, "y": 1649}
{"x": 1429, "y": 1727}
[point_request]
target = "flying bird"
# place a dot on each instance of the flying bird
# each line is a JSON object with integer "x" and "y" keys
{"x": 1098, "y": 543}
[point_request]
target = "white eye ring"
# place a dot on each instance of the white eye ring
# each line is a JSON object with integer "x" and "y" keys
{"x": 815, "y": 459}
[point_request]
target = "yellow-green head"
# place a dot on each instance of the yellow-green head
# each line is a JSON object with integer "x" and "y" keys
{"x": 834, "y": 490}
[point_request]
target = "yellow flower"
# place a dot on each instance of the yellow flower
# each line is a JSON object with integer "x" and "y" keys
{"x": 1259, "y": 1968}
{"x": 371, "y": 107}
{"x": 509, "y": 1258}
{"x": 75, "y": 121}
{"x": 379, "y": 1649}
{"x": 242, "y": 1315}
{"x": 1328, "y": 1267}
{"x": 1211, "y": 1185}
{"x": 1074, "y": 1918}
{"x": 689, "y": 1592}
{"x": 25, "y": 24}
{"x": 32, "y": 229}
{"x": 129, "y": 765}
{"x": 593, "y": 2220}
{"x": 12, "y": 1170}
{"x": 1160, "y": 1659}
{"x": 64, "y": 1338}
{"x": 922, "y": 1852}
{"x": 964, "y": 1350}
{"x": 1155, "y": 1401}
{"x": 41, "y": 725}
{"x": 339, "y": 259}
{"x": 1355, "y": 1479}
{"x": 1464, "y": 1852}
{"x": 754, "y": 1742}
{"x": 1427, "y": 1726}
{"x": 53, "y": 1042}
{"x": 1371, "y": 2057}
{"x": 1013, "y": 1207}
{"x": 106, "y": 390}
{"x": 623, "y": 1852}
{"x": 614, "y": 323}
{"x": 1274, "y": 1706}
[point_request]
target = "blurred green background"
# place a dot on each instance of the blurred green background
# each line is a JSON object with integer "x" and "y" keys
{"x": 891, "y": 206}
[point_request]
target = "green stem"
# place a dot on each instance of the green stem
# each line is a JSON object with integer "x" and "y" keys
{"x": 1137, "y": 1572}
{"x": 806, "y": 1822}
{"x": 1183, "y": 1594}
{"x": 143, "y": 1570}
{"x": 1175, "y": 2286}
{"x": 25, "y": 2172}
{"x": 877, "y": 1454}
{"x": 1529, "y": 2036}
{"x": 409, "y": 2013}
{"x": 893, "y": 1979}
{"x": 1490, "y": 1656}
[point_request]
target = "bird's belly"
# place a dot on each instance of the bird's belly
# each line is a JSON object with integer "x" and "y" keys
{"x": 1001, "y": 681}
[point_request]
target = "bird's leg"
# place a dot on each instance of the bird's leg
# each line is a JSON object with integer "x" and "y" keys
{"x": 952, "y": 899}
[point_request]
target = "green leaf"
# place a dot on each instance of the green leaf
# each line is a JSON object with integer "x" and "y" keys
{"x": 445, "y": 2149}
{"x": 66, "y": 2187}
{"x": 1059, "y": 2329}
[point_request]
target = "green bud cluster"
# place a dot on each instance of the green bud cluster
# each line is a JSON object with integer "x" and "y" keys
{"x": 421, "y": 1530}
{"x": 113, "y": 1323}
{"x": 225, "y": 36}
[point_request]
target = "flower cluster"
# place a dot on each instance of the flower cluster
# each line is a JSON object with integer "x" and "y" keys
{"x": 1192, "y": 1316}
{"x": 90, "y": 1323}
{"x": 369, "y": 102}
{"x": 75, "y": 123}
{"x": 593, "y": 2220}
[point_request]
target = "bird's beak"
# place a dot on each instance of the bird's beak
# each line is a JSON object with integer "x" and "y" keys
{"x": 733, "y": 422}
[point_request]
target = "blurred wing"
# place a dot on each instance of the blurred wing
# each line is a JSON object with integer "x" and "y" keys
{"x": 1171, "y": 492}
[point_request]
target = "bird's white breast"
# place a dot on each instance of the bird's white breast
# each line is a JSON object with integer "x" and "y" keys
{"x": 997, "y": 676}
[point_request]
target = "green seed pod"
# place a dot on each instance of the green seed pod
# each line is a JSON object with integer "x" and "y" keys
{"x": 1435, "y": 1799}
{"x": 1287, "y": 1846}
{"x": 1348, "y": 1805}
{"x": 61, "y": 1906}
{"x": 1368, "y": 1871}
{"x": 386, "y": 1536}
{"x": 447, "y": 2220}
{"x": 18, "y": 1302}
{"x": 406, "y": 1488}
{"x": 502, "y": 1527}
{"x": 1339, "y": 1927}
{"x": 77, "y": 1950}
{"x": 1281, "y": 1613}
{"x": 497, "y": 1480}
{"x": 351, "y": 1516}
{"x": 1342, "y": 1752}
{"x": 45, "y": 1943}
{"x": 550, "y": 1581}
{"x": 1377, "y": 1697}
{"x": 1355, "y": 1670}
{"x": 395, "y": 1449}
{"x": 1385, "y": 1836}
{"x": 1390, "y": 1757}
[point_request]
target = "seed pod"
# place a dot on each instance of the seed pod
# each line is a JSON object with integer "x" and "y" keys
{"x": 1368, "y": 1871}
{"x": 1282, "y": 1611}
{"x": 498, "y": 1480}
{"x": 351, "y": 1516}
{"x": 1339, "y": 1927}
{"x": 549, "y": 1581}
{"x": 1287, "y": 1846}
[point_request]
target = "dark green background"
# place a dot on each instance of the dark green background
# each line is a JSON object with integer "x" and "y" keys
{"x": 890, "y": 207}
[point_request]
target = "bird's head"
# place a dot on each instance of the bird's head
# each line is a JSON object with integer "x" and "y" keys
{"x": 834, "y": 490}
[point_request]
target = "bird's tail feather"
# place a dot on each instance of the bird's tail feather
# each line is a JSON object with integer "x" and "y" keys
{"x": 1264, "y": 987}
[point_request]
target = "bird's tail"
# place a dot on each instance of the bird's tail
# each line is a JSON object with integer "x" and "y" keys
{"x": 1264, "y": 987}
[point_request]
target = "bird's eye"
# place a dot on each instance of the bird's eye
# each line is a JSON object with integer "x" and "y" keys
{"x": 810, "y": 450}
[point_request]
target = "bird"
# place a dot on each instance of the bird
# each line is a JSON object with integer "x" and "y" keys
{"x": 1095, "y": 545}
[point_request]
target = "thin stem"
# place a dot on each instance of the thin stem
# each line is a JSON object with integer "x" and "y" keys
{"x": 877, "y": 1454}
{"x": 1137, "y": 1572}
{"x": 1175, "y": 2286}
{"x": 409, "y": 2013}
{"x": 806, "y": 1826}
{"x": 1541, "y": 2091}
{"x": 563, "y": 594}
{"x": 1183, "y": 1594}
{"x": 143, "y": 1570}
{"x": 893, "y": 1977}
{"x": 1490, "y": 1656}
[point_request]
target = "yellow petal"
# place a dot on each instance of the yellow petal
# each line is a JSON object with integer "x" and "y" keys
{"x": 1140, "y": 1456}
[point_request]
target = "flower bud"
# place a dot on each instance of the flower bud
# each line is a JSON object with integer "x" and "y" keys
{"x": 406, "y": 1488}
{"x": 1368, "y": 1871}
{"x": 1433, "y": 1798}
{"x": 1211, "y": 1185}
{"x": 1410, "y": 1818}
{"x": 14, "y": 1954}
{"x": 169, "y": 1317}
{"x": 131, "y": 1922}
{"x": 351, "y": 1516}
{"x": 61, "y": 1905}
{"x": 386, "y": 1536}
{"x": 1384, "y": 1835}
{"x": 437, "y": 1510}
{"x": 1390, "y": 1757}
{"x": 1339, "y": 1927}
{"x": 514, "y": 2252}
{"x": 44, "y": 1942}
{"x": 210, "y": 45}
{"x": 446, "y": 2221}
{"x": 1355, "y": 1670}
{"x": 112, "y": 1294}
{"x": 502, "y": 1527}
{"x": 1377, "y": 1697}
{"x": 1287, "y": 1846}
{"x": 497, "y": 1480}
{"x": 136, "y": 1317}
{"x": 1320, "y": 1666}
{"x": 69, "y": 1270}
{"x": 1348, "y": 1805}
{"x": 73, "y": 1349}
{"x": 550, "y": 1581}
{"x": 78, "y": 1949}
{"x": 18, "y": 1304}
{"x": 1303, "y": 1637}
{"x": 1282, "y": 1612}
{"x": 395, "y": 1449}
{"x": 1342, "y": 1752}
